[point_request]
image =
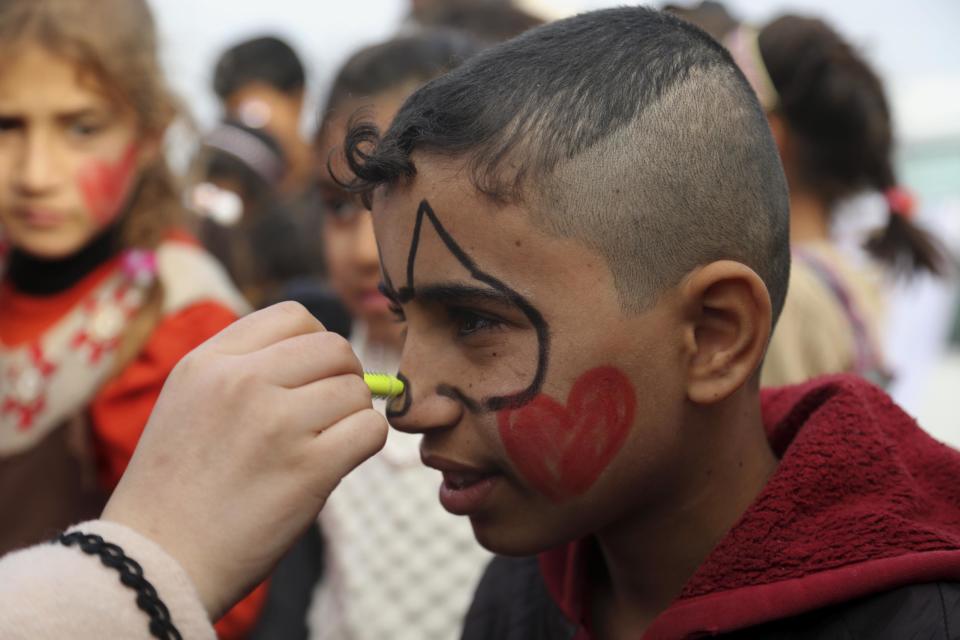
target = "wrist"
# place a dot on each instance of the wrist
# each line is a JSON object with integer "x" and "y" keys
{"x": 174, "y": 547}
{"x": 170, "y": 579}
{"x": 131, "y": 574}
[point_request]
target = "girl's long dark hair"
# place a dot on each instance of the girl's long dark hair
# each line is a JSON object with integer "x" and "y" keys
{"x": 837, "y": 112}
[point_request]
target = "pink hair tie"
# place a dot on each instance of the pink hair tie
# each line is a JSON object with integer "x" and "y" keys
{"x": 900, "y": 201}
{"x": 140, "y": 266}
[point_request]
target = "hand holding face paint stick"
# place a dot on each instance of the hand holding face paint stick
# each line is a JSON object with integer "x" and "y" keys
{"x": 251, "y": 433}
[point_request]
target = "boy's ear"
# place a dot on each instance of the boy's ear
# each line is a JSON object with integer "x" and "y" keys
{"x": 728, "y": 315}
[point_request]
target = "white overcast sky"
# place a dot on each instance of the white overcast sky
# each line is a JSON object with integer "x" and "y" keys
{"x": 915, "y": 45}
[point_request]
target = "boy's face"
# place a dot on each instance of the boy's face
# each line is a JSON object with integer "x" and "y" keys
{"x": 551, "y": 412}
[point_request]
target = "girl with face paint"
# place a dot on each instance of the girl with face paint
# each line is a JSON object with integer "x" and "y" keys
{"x": 100, "y": 295}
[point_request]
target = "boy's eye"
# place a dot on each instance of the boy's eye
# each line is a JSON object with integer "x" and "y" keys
{"x": 469, "y": 322}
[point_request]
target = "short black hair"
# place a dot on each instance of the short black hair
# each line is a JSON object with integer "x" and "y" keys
{"x": 627, "y": 129}
{"x": 268, "y": 60}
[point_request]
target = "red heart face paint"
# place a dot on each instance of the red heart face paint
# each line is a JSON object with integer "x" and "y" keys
{"x": 562, "y": 450}
{"x": 106, "y": 185}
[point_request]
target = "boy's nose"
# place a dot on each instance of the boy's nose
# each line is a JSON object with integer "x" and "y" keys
{"x": 421, "y": 409}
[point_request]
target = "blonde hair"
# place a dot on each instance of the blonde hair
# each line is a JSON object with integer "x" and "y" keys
{"x": 114, "y": 42}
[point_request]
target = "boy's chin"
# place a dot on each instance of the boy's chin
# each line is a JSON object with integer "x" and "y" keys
{"x": 513, "y": 539}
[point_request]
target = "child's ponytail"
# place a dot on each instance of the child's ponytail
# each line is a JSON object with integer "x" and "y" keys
{"x": 841, "y": 131}
{"x": 901, "y": 244}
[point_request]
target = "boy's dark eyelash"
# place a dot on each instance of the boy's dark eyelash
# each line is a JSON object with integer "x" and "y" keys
{"x": 457, "y": 315}
{"x": 460, "y": 314}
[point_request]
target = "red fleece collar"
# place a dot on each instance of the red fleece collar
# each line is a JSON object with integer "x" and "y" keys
{"x": 863, "y": 501}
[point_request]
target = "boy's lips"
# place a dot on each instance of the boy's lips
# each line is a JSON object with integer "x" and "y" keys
{"x": 465, "y": 488}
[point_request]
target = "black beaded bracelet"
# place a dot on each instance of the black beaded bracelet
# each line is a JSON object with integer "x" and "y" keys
{"x": 131, "y": 575}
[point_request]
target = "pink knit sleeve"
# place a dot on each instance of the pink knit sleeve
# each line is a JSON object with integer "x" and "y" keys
{"x": 52, "y": 591}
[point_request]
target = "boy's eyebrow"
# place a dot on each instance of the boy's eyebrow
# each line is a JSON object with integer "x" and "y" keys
{"x": 454, "y": 292}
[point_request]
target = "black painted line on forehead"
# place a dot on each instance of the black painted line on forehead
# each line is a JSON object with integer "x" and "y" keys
{"x": 407, "y": 293}
{"x": 414, "y": 245}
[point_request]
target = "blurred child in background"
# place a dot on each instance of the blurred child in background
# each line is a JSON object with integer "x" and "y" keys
{"x": 488, "y": 21}
{"x": 242, "y": 220}
{"x": 383, "y": 530}
{"x": 260, "y": 83}
{"x": 831, "y": 121}
{"x": 100, "y": 294}
{"x": 832, "y": 124}
{"x": 389, "y": 504}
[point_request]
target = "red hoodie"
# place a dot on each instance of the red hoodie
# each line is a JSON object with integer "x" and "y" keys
{"x": 863, "y": 502}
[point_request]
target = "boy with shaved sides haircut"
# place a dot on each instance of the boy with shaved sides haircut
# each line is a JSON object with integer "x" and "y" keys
{"x": 585, "y": 230}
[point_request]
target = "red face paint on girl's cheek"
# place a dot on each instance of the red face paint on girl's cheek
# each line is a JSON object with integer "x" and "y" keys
{"x": 105, "y": 185}
{"x": 562, "y": 450}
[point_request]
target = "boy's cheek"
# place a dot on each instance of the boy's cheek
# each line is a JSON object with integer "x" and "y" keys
{"x": 561, "y": 446}
{"x": 106, "y": 184}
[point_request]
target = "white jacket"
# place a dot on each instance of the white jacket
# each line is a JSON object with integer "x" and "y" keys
{"x": 51, "y": 591}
